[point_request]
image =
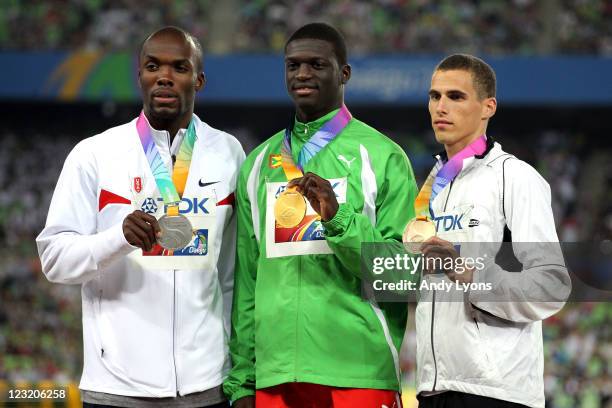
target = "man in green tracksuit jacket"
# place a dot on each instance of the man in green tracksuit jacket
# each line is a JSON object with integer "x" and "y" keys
{"x": 298, "y": 315}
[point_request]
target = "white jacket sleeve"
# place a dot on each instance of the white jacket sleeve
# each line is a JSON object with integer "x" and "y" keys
{"x": 71, "y": 248}
{"x": 543, "y": 285}
{"x": 225, "y": 264}
{"x": 227, "y": 255}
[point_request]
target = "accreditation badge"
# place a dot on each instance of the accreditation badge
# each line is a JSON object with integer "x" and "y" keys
{"x": 307, "y": 237}
{"x": 195, "y": 225}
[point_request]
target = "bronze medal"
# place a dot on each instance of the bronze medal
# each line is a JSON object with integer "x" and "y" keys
{"x": 417, "y": 231}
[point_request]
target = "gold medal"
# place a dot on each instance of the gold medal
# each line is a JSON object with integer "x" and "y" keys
{"x": 417, "y": 231}
{"x": 290, "y": 208}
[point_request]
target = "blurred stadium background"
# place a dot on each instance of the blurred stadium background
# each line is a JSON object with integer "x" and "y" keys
{"x": 68, "y": 72}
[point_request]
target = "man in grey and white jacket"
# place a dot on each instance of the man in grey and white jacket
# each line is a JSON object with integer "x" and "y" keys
{"x": 482, "y": 346}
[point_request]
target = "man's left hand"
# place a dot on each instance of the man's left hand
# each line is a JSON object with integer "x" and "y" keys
{"x": 319, "y": 194}
{"x": 437, "y": 248}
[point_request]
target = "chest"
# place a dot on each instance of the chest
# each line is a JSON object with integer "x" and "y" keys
{"x": 469, "y": 209}
{"x": 128, "y": 179}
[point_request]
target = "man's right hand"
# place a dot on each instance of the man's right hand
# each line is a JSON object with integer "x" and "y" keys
{"x": 141, "y": 230}
{"x": 244, "y": 402}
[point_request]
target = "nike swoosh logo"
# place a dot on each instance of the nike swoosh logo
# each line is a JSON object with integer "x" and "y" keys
{"x": 202, "y": 184}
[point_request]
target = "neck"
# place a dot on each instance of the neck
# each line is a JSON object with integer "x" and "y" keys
{"x": 171, "y": 125}
{"x": 306, "y": 115}
{"x": 455, "y": 148}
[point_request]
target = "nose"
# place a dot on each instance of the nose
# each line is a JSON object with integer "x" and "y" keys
{"x": 303, "y": 72}
{"x": 441, "y": 107}
{"x": 164, "y": 77}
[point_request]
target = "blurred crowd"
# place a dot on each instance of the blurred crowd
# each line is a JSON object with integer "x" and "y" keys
{"x": 577, "y": 356}
{"x": 35, "y": 314}
{"x": 524, "y": 27}
{"x": 481, "y": 27}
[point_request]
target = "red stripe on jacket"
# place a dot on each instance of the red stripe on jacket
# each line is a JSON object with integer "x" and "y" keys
{"x": 229, "y": 200}
{"x": 106, "y": 198}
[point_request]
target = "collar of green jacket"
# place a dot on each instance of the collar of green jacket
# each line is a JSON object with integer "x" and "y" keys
{"x": 304, "y": 131}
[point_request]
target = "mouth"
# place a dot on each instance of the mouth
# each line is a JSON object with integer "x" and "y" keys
{"x": 440, "y": 123}
{"x": 304, "y": 89}
{"x": 164, "y": 96}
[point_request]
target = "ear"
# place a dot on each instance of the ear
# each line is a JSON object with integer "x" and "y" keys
{"x": 200, "y": 81}
{"x": 489, "y": 106}
{"x": 345, "y": 74}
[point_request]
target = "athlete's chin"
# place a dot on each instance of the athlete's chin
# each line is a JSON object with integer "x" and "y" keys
{"x": 165, "y": 112}
{"x": 444, "y": 137}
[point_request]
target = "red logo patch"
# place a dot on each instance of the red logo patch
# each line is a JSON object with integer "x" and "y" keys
{"x": 137, "y": 184}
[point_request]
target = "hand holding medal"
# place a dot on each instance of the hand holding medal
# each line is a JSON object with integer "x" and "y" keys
{"x": 176, "y": 230}
{"x": 290, "y": 206}
{"x": 319, "y": 193}
{"x": 141, "y": 230}
{"x": 421, "y": 228}
{"x": 417, "y": 231}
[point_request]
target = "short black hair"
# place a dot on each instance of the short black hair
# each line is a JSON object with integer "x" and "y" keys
{"x": 324, "y": 32}
{"x": 195, "y": 43}
{"x": 482, "y": 73}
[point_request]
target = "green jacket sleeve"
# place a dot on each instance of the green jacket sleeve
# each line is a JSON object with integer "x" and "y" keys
{"x": 241, "y": 379}
{"x": 394, "y": 208}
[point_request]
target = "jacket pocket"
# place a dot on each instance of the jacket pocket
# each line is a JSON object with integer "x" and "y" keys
{"x": 489, "y": 337}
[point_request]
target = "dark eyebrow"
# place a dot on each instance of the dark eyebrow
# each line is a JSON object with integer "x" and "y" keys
{"x": 306, "y": 59}
{"x": 433, "y": 92}
{"x": 456, "y": 92}
{"x": 152, "y": 58}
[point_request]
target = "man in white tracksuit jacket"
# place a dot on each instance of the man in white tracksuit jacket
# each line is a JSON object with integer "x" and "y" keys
{"x": 483, "y": 347}
{"x": 155, "y": 321}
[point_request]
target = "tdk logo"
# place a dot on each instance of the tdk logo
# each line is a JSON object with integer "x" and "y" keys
{"x": 187, "y": 206}
{"x": 448, "y": 223}
{"x": 194, "y": 205}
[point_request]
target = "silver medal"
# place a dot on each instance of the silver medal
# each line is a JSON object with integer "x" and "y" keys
{"x": 176, "y": 231}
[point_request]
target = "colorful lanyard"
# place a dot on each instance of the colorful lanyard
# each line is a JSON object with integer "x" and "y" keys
{"x": 441, "y": 175}
{"x": 318, "y": 141}
{"x": 171, "y": 190}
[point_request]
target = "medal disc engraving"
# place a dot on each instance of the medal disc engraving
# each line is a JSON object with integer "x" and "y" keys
{"x": 289, "y": 209}
{"x": 176, "y": 231}
{"x": 416, "y": 232}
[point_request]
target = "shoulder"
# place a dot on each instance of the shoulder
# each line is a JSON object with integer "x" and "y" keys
{"x": 372, "y": 139}
{"x": 221, "y": 141}
{"x": 117, "y": 134}
{"x": 104, "y": 144}
{"x": 515, "y": 173}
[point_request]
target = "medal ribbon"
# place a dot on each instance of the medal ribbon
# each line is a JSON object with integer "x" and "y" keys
{"x": 441, "y": 175}
{"x": 171, "y": 189}
{"x": 318, "y": 141}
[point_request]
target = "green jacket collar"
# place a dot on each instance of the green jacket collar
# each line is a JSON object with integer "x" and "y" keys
{"x": 304, "y": 131}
